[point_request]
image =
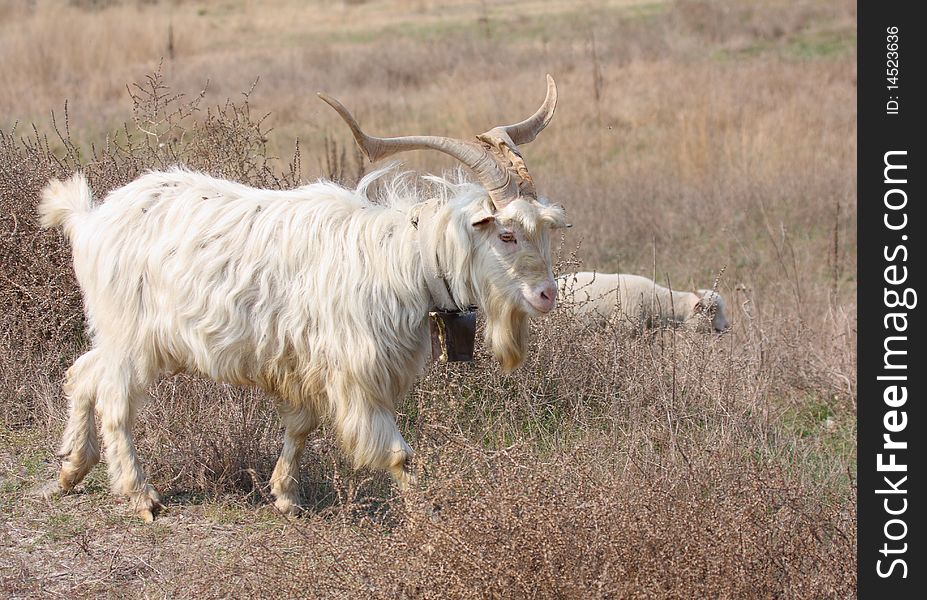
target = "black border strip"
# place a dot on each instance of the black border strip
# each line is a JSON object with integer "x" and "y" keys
{"x": 885, "y": 256}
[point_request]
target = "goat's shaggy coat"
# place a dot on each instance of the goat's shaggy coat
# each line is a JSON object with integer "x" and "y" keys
{"x": 316, "y": 294}
{"x": 640, "y": 302}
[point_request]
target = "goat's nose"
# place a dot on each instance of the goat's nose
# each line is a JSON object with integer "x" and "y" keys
{"x": 549, "y": 292}
{"x": 546, "y": 296}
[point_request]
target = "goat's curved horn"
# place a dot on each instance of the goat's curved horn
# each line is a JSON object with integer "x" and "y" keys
{"x": 525, "y": 131}
{"x": 496, "y": 179}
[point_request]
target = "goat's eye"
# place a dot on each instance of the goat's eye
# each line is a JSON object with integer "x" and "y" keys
{"x": 508, "y": 237}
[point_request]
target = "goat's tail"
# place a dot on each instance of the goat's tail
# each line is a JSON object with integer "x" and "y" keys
{"x": 65, "y": 203}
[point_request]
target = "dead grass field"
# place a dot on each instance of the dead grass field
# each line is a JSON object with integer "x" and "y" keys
{"x": 695, "y": 140}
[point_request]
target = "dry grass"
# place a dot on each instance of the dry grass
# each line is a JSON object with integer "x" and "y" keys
{"x": 694, "y": 139}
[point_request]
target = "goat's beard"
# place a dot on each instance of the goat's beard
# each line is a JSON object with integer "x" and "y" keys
{"x": 507, "y": 329}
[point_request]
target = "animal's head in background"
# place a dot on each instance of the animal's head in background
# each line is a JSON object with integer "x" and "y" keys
{"x": 710, "y": 312}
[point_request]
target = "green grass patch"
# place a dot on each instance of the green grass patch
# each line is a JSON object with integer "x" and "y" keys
{"x": 822, "y": 44}
{"x": 62, "y": 526}
{"x": 815, "y": 442}
{"x": 807, "y": 420}
{"x": 805, "y": 45}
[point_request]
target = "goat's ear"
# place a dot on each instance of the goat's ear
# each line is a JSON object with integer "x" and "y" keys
{"x": 482, "y": 220}
{"x": 699, "y": 306}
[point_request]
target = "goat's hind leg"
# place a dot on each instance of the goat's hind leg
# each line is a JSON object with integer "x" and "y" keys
{"x": 284, "y": 483}
{"x": 120, "y": 395}
{"x": 80, "y": 447}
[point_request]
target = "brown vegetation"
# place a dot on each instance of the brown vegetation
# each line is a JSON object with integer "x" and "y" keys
{"x": 696, "y": 140}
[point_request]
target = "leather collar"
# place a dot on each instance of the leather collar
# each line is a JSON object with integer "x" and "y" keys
{"x": 438, "y": 287}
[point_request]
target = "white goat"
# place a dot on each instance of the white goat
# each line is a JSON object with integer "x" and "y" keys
{"x": 316, "y": 294}
{"x": 640, "y": 302}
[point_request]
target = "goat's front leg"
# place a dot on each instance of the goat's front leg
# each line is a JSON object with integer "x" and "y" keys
{"x": 284, "y": 483}
{"x": 367, "y": 431}
{"x": 378, "y": 444}
{"x": 398, "y": 457}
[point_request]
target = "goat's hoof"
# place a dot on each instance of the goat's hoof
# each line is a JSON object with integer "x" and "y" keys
{"x": 146, "y": 515}
{"x": 411, "y": 480}
{"x": 404, "y": 477}
{"x": 66, "y": 482}
{"x": 288, "y": 506}
{"x": 146, "y": 504}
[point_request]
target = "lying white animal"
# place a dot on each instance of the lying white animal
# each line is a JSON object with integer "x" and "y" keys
{"x": 641, "y": 302}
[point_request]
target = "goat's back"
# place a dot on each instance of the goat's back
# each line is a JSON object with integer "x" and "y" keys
{"x": 188, "y": 272}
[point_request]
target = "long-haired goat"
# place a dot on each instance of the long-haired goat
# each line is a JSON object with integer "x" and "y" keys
{"x": 316, "y": 294}
{"x": 640, "y": 302}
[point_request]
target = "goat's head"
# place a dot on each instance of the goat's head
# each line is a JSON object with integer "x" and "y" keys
{"x": 510, "y": 271}
{"x": 709, "y": 313}
{"x": 505, "y": 230}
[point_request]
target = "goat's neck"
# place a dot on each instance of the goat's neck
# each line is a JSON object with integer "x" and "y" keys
{"x": 445, "y": 256}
